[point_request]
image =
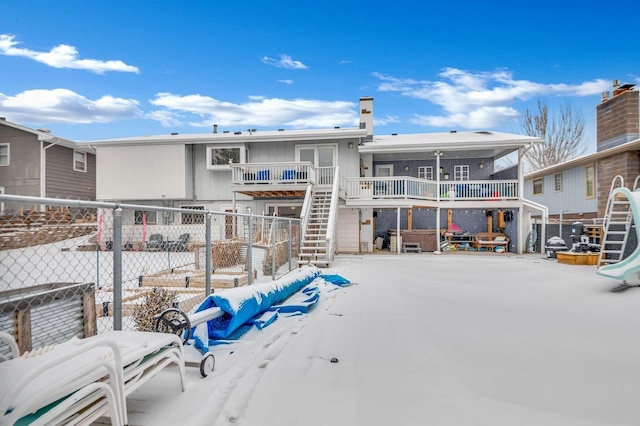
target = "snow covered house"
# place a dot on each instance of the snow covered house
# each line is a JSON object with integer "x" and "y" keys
{"x": 347, "y": 185}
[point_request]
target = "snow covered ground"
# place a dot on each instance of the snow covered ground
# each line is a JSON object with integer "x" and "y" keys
{"x": 456, "y": 339}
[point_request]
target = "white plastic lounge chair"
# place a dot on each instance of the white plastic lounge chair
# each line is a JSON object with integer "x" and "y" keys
{"x": 144, "y": 354}
{"x": 63, "y": 384}
{"x": 94, "y": 370}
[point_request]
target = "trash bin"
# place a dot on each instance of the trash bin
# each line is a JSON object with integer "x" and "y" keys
{"x": 554, "y": 245}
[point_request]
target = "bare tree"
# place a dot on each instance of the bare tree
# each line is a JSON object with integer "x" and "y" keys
{"x": 562, "y": 135}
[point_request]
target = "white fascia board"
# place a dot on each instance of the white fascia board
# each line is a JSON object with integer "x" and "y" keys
{"x": 230, "y": 138}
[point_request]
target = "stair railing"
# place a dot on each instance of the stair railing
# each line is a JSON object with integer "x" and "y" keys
{"x": 333, "y": 210}
{"x": 304, "y": 212}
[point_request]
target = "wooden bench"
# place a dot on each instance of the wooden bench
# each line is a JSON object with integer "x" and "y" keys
{"x": 411, "y": 247}
{"x": 491, "y": 240}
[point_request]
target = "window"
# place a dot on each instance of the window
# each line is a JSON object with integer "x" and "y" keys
{"x": 538, "y": 186}
{"x": 461, "y": 172}
{"x": 4, "y": 154}
{"x": 141, "y": 217}
{"x": 219, "y": 157}
{"x": 425, "y": 172}
{"x": 79, "y": 161}
{"x": 557, "y": 182}
{"x": 590, "y": 180}
{"x": 192, "y": 218}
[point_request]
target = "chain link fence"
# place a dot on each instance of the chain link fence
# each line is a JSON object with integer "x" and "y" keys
{"x": 77, "y": 268}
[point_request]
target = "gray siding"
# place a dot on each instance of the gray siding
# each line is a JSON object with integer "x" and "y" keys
{"x": 572, "y": 198}
{"x": 22, "y": 176}
{"x": 475, "y": 172}
{"x": 63, "y": 181}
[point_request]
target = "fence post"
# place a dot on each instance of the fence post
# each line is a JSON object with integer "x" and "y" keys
{"x": 290, "y": 236}
{"x": 207, "y": 254}
{"x": 274, "y": 246}
{"x": 250, "y": 250}
{"x": 117, "y": 269}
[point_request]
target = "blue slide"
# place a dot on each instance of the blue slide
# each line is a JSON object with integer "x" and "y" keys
{"x": 630, "y": 266}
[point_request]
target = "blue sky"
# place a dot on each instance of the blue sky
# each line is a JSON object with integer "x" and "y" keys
{"x": 89, "y": 69}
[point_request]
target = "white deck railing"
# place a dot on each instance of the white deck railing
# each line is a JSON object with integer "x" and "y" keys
{"x": 261, "y": 173}
{"x": 421, "y": 189}
{"x": 404, "y": 187}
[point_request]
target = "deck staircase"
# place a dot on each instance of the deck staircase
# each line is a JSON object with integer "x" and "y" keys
{"x": 313, "y": 247}
{"x": 617, "y": 225}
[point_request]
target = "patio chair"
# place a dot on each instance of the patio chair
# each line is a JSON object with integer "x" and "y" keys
{"x": 95, "y": 373}
{"x": 155, "y": 242}
{"x": 179, "y": 245}
{"x": 62, "y": 383}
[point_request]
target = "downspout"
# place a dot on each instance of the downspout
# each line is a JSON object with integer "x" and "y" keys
{"x": 43, "y": 167}
{"x": 438, "y": 236}
{"x": 543, "y": 209}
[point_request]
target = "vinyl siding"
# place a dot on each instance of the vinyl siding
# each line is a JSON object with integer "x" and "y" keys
{"x": 22, "y": 175}
{"x": 62, "y": 181}
{"x": 572, "y": 198}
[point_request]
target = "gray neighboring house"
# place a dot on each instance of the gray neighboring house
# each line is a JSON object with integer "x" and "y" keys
{"x": 39, "y": 164}
{"x": 579, "y": 188}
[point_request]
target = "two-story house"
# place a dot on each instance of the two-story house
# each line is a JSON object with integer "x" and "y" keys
{"x": 347, "y": 185}
{"x": 40, "y": 164}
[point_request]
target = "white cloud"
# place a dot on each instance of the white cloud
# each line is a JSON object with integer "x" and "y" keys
{"x": 65, "y": 106}
{"x": 258, "y": 111}
{"x": 62, "y": 56}
{"x": 285, "y": 61}
{"x": 288, "y": 81}
{"x": 479, "y": 99}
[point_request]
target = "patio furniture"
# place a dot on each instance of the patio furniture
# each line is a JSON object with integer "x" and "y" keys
{"x": 84, "y": 379}
{"x": 155, "y": 242}
{"x": 63, "y": 383}
{"x": 179, "y": 245}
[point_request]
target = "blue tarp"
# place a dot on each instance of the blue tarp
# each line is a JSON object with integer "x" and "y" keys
{"x": 244, "y": 303}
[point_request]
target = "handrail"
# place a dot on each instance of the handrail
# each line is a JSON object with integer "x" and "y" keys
{"x": 304, "y": 212}
{"x": 333, "y": 209}
{"x": 605, "y": 220}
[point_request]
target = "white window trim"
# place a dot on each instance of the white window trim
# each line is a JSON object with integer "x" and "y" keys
{"x": 461, "y": 172}
{"x": 243, "y": 156}
{"x": 555, "y": 182}
{"x": 533, "y": 186}
{"x": 8, "y": 154}
{"x": 76, "y": 169}
{"x": 586, "y": 181}
{"x": 380, "y": 167}
{"x": 425, "y": 172}
{"x": 315, "y": 155}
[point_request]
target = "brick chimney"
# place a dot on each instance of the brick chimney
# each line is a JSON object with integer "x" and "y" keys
{"x": 618, "y": 117}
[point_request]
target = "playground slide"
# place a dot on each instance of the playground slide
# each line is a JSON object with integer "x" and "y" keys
{"x": 629, "y": 266}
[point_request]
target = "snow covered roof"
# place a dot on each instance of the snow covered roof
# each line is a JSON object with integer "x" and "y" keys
{"x": 46, "y": 136}
{"x": 476, "y": 143}
{"x": 584, "y": 159}
{"x": 237, "y": 137}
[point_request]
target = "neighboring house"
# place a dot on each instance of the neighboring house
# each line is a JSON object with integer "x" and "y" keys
{"x": 579, "y": 188}
{"x": 37, "y": 163}
{"x": 369, "y": 184}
